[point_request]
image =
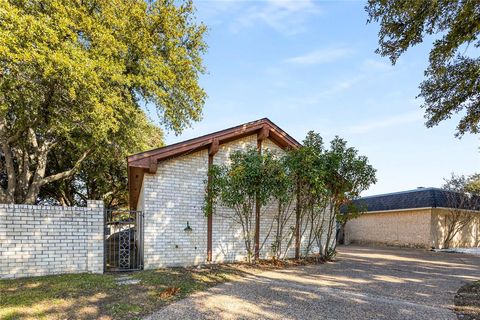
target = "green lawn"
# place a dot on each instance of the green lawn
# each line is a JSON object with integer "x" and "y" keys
{"x": 89, "y": 296}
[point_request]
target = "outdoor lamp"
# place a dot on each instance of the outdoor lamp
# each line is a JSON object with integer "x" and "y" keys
{"x": 188, "y": 229}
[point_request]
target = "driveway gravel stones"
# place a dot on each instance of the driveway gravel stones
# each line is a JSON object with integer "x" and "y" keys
{"x": 364, "y": 283}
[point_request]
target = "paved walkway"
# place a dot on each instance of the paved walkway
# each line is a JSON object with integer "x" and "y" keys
{"x": 365, "y": 283}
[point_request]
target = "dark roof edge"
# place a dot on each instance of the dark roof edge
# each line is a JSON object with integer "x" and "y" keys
{"x": 402, "y": 192}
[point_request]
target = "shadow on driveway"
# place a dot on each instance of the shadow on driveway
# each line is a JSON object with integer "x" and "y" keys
{"x": 364, "y": 283}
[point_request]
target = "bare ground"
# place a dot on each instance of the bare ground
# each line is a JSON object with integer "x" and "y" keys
{"x": 364, "y": 283}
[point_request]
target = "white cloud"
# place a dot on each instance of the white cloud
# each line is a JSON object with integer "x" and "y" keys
{"x": 393, "y": 121}
{"x": 325, "y": 55}
{"x": 342, "y": 85}
{"x": 285, "y": 16}
{"x": 376, "y": 65}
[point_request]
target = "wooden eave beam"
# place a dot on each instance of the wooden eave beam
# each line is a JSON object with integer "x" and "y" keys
{"x": 213, "y": 149}
{"x": 152, "y": 166}
{"x": 263, "y": 133}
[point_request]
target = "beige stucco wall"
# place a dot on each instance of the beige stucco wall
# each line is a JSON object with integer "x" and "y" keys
{"x": 468, "y": 236}
{"x": 400, "y": 228}
{"x": 414, "y": 228}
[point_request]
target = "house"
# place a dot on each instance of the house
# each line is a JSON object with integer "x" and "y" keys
{"x": 168, "y": 186}
{"x": 414, "y": 218}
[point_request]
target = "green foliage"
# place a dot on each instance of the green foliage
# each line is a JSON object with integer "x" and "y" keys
{"x": 248, "y": 179}
{"x": 74, "y": 75}
{"x": 103, "y": 175}
{"x": 452, "y": 78}
{"x": 352, "y": 211}
{"x": 319, "y": 179}
{"x": 327, "y": 179}
{"x": 473, "y": 184}
{"x": 347, "y": 173}
{"x": 465, "y": 195}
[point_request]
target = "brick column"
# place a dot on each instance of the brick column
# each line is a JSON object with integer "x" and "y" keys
{"x": 95, "y": 255}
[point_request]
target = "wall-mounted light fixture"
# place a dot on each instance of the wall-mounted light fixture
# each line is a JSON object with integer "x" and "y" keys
{"x": 188, "y": 229}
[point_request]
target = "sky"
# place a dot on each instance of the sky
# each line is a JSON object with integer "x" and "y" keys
{"x": 311, "y": 65}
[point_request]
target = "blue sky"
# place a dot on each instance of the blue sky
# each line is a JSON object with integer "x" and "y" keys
{"x": 311, "y": 65}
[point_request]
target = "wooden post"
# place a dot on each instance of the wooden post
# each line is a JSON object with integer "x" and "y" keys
{"x": 210, "y": 213}
{"x": 297, "y": 224}
{"x": 211, "y": 152}
{"x": 257, "y": 211}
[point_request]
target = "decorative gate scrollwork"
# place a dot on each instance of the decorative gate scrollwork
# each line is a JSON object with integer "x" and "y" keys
{"x": 123, "y": 240}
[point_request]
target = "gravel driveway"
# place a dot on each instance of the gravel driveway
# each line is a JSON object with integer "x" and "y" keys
{"x": 364, "y": 283}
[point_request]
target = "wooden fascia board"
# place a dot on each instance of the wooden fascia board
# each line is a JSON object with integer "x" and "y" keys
{"x": 148, "y": 161}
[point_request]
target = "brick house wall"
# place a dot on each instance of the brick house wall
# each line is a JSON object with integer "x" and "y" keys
{"x": 175, "y": 194}
{"x": 171, "y": 198}
{"x": 43, "y": 240}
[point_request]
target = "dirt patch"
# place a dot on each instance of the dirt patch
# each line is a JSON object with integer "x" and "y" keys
{"x": 467, "y": 301}
{"x": 269, "y": 264}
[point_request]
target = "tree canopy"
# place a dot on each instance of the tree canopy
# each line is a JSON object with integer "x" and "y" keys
{"x": 319, "y": 179}
{"x": 249, "y": 179}
{"x": 74, "y": 76}
{"x": 452, "y": 83}
{"x": 103, "y": 175}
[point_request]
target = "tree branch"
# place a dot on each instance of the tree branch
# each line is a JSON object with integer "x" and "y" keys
{"x": 7, "y": 153}
{"x": 67, "y": 173}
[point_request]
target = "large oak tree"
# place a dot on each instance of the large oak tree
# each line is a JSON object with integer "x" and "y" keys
{"x": 452, "y": 83}
{"x": 74, "y": 74}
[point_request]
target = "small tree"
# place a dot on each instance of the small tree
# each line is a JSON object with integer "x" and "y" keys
{"x": 283, "y": 192}
{"x": 462, "y": 196}
{"x": 239, "y": 185}
{"x": 326, "y": 179}
{"x": 346, "y": 175}
{"x": 305, "y": 165}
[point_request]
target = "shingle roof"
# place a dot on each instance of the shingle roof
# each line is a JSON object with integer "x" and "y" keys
{"x": 418, "y": 198}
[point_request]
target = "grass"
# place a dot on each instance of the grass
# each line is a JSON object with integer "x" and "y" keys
{"x": 89, "y": 296}
{"x": 92, "y": 296}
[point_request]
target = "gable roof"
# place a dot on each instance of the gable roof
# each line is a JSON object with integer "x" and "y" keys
{"x": 148, "y": 161}
{"x": 411, "y": 199}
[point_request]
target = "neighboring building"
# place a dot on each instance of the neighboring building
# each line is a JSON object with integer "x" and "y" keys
{"x": 415, "y": 218}
{"x": 168, "y": 185}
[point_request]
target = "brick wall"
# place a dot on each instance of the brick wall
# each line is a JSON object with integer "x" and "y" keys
{"x": 42, "y": 240}
{"x": 175, "y": 194}
{"x": 268, "y": 213}
{"x": 227, "y": 237}
{"x": 171, "y": 198}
